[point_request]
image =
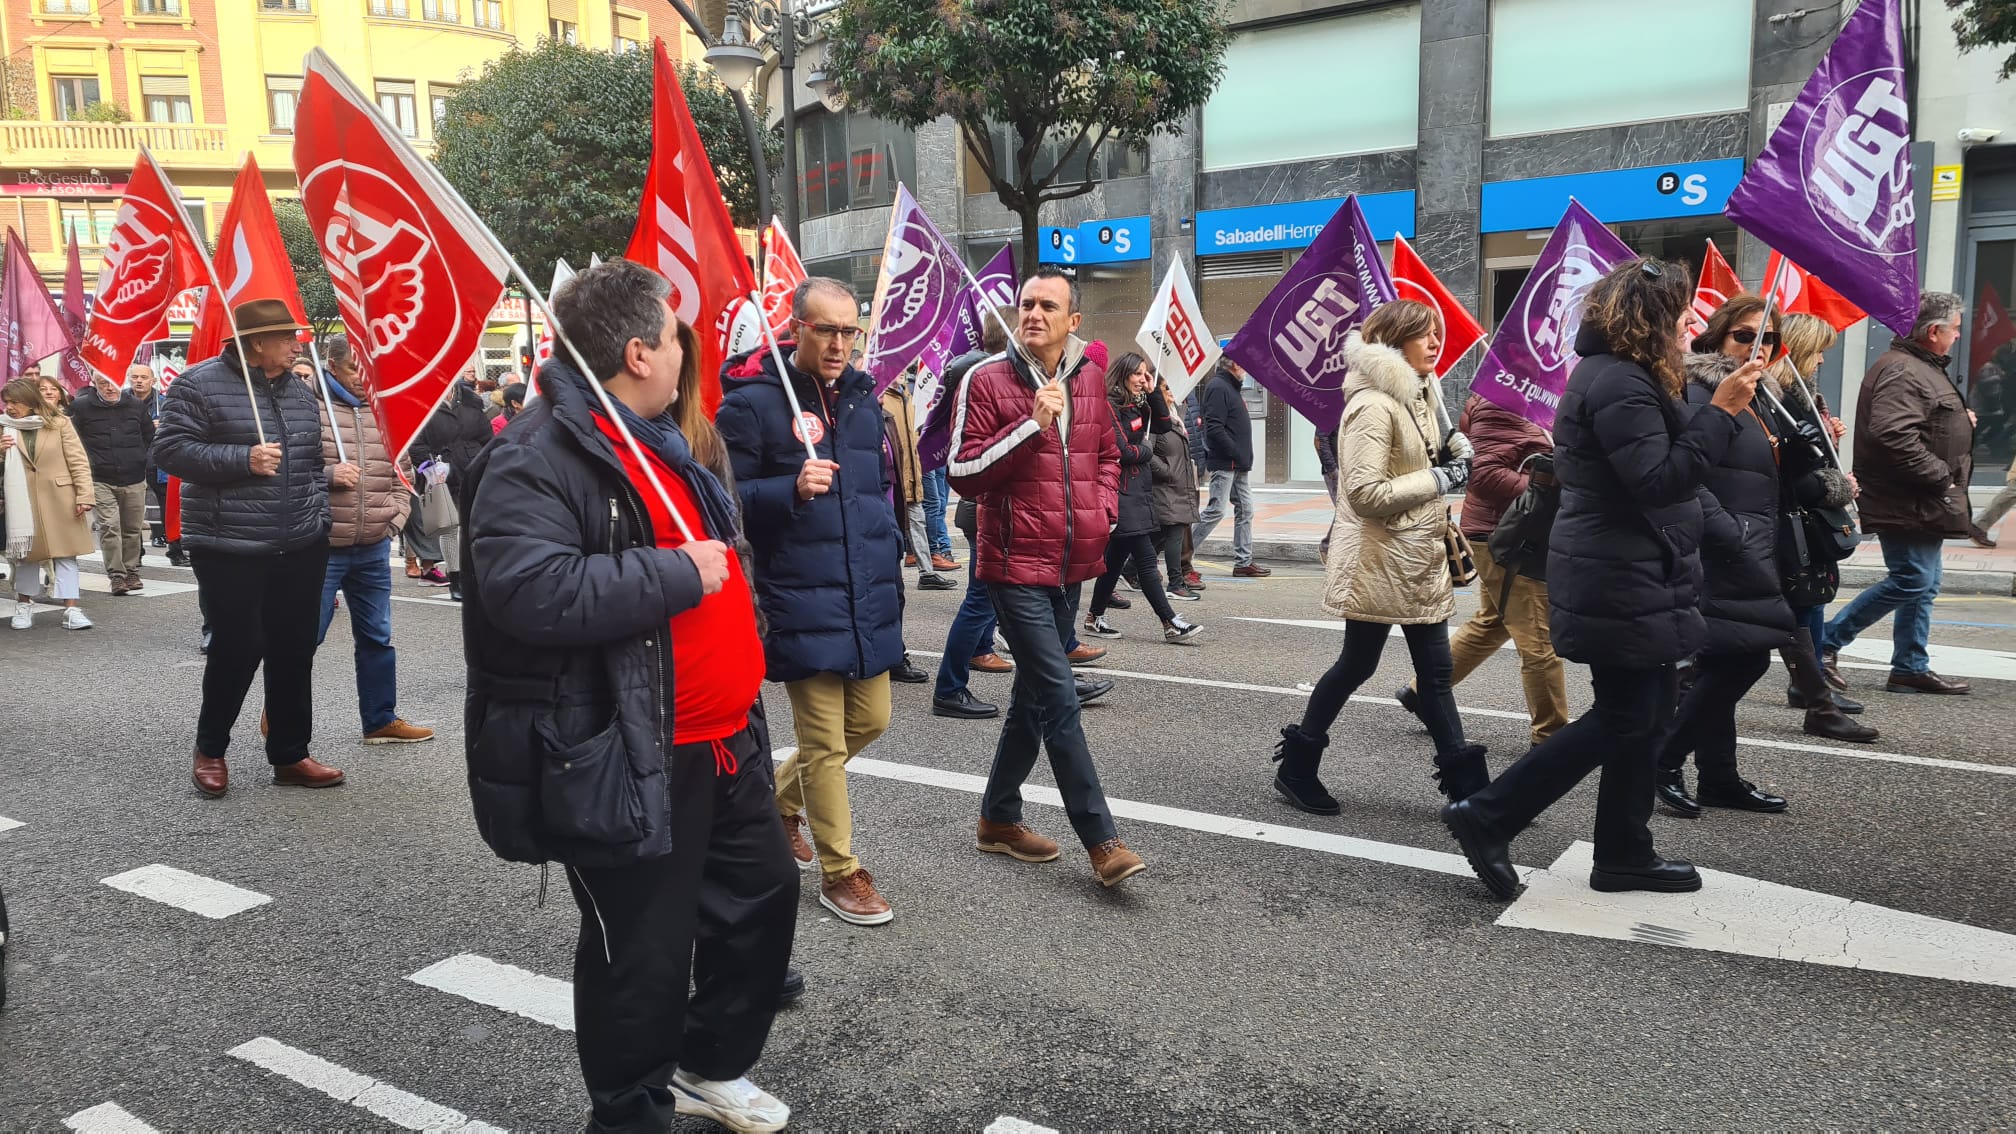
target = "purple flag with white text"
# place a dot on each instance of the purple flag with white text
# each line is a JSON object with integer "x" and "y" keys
{"x": 1534, "y": 347}
{"x": 997, "y": 290}
{"x": 915, "y": 293}
{"x": 1832, "y": 189}
{"x": 1294, "y": 342}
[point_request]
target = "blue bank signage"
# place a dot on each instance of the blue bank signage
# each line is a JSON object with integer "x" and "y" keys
{"x": 1654, "y": 192}
{"x": 1111, "y": 241}
{"x": 1265, "y": 228}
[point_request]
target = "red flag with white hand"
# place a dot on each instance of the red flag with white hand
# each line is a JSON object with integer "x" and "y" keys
{"x": 683, "y": 232}
{"x": 1413, "y": 280}
{"x": 251, "y": 263}
{"x": 1800, "y": 292}
{"x": 415, "y": 272}
{"x": 1717, "y": 285}
{"x": 152, "y": 257}
{"x": 1992, "y": 328}
{"x": 783, "y": 271}
{"x": 31, "y": 326}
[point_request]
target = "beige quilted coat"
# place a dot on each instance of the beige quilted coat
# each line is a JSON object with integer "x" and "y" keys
{"x": 1387, "y": 562}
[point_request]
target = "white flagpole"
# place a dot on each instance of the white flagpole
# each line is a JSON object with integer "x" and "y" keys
{"x": 784, "y": 375}
{"x": 224, "y": 301}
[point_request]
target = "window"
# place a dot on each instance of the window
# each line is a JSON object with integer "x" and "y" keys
{"x": 71, "y": 94}
{"x": 157, "y": 7}
{"x": 283, "y": 95}
{"x": 283, "y": 5}
{"x": 1555, "y": 64}
{"x": 851, "y": 161}
{"x": 629, "y": 33}
{"x": 165, "y": 98}
{"x": 1287, "y": 96}
{"x": 395, "y": 98}
{"x": 440, "y": 11}
{"x": 438, "y": 95}
{"x": 198, "y": 212}
{"x": 389, "y": 8}
{"x": 561, "y": 31}
{"x": 67, "y": 7}
{"x": 1118, "y": 157}
{"x": 92, "y": 221}
{"x": 489, "y": 14}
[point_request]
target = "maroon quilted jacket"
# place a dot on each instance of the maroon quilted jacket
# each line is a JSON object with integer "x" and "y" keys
{"x": 1044, "y": 510}
{"x": 1502, "y": 439}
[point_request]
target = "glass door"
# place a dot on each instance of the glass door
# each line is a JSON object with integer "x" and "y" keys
{"x": 1988, "y": 348}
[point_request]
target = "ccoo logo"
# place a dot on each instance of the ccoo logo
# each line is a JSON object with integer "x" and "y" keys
{"x": 1856, "y": 158}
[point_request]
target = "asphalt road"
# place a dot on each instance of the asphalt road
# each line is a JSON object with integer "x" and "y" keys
{"x": 1255, "y": 977}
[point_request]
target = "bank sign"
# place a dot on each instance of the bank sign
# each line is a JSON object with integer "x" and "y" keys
{"x": 1112, "y": 241}
{"x": 1266, "y": 228}
{"x": 1653, "y": 192}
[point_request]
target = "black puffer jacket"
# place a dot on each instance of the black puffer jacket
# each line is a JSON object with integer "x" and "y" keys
{"x": 1624, "y": 562}
{"x": 1744, "y": 599}
{"x": 570, "y": 676}
{"x": 116, "y": 436}
{"x": 206, "y": 437}
{"x": 456, "y": 433}
{"x": 1133, "y": 424}
{"x": 1228, "y": 427}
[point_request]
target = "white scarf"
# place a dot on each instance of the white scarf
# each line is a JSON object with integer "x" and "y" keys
{"x": 20, "y": 504}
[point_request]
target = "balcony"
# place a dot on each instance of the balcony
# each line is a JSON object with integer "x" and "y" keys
{"x": 115, "y": 144}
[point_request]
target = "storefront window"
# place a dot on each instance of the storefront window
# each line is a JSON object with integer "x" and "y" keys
{"x": 1990, "y": 356}
{"x": 857, "y": 272}
{"x": 1319, "y": 88}
{"x": 1115, "y": 301}
{"x": 851, "y": 161}
{"x": 1117, "y": 158}
{"x": 1557, "y": 64}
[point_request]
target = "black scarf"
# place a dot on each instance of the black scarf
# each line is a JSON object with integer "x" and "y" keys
{"x": 661, "y": 435}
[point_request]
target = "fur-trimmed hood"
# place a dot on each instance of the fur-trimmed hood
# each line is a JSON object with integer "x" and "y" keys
{"x": 1708, "y": 370}
{"x": 1374, "y": 366}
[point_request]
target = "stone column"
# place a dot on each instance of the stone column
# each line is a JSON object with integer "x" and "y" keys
{"x": 1455, "y": 71}
{"x": 1173, "y": 165}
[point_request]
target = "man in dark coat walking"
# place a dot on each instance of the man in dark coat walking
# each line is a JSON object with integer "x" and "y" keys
{"x": 1228, "y": 457}
{"x": 117, "y": 430}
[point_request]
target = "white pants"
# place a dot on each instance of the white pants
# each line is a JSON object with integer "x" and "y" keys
{"x": 63, "y": 572}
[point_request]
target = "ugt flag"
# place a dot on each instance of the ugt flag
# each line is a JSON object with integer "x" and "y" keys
{"x": 1717, "y": 284}
{"x": 152, "y": 257}
{"x": 1294, "y": 342}
{"x": 251, "y": 264}
{"x": 70, "y": 367}
{"x": 1832, "y": 189}
{"x": 1530, "y": 357}
{"x": 415, "y": 272}
{"x": 1413, "y": 280}
{"x": 1174, "y": 337}
{"x": 915, "y": 292}
{"x": 783, "y": 271}
{"x": 31, "y": 328}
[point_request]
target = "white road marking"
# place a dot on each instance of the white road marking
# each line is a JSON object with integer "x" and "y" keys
{"x": 423, "y": 600}
{"x": 7, "y": 824}
{"x": 403, "y": 1109}
{"x": 498, "y": 985}
{"x": 186, "y": 891}
{"x": 1007, "y": 1125}
{"x": 1734, "y": 914}
{"x": 1948, "y": 661}
{"x": 106, "y": 1118}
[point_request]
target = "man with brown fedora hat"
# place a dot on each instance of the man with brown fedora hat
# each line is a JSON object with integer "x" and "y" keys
{"x": 246, "y": 440}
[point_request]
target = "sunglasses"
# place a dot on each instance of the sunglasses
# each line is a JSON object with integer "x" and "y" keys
{"x": 1746, "y": 336}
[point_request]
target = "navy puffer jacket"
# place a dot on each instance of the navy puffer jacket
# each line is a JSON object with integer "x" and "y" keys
{"x": 1744, "y": 602}
{"x": 827, "y": 569}
{"x": 206, "y": 437}
{"x": 1624, "y": 559}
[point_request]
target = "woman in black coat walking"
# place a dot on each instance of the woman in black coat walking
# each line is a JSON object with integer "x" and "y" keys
{"x": 457, "y": 432}
{"x": 1135, "y": 416}
{"x": 1622, "y": 570}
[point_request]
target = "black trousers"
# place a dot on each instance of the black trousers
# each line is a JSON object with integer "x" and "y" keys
{"x": 1427, "y": 645}
{"x": 1621, "y": 734}
{"x": 1043, "y": 714}
{"x": 1172, "y": 539}
{"x": 1706, "y": 722}
{"x": 1141, "y": 549}
{"x": 718, "y": 911}
{"x": 260, "y": 609}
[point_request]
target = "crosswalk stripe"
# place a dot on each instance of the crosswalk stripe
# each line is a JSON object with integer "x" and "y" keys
{"x": 7, "y": 824}
{"x": 401, "y": 1108}
{"x": 106, "y": 1118}
{"x": 186, "y": 891}
{"x": 1007, "y": 1125}
{"x": 519, "y": 991}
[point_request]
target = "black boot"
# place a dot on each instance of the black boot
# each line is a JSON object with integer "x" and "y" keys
{"x": 1833, "y": 724}
{"x": 1794, "y": 699}
{"x": 1299, "y": 753}
{"x": 1463, "y": 774}
{"x": 454, "y": 586}
{"x": 1672, "y": 791}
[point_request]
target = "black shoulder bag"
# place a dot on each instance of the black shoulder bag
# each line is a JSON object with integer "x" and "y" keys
{"x": 1519, "y": 542}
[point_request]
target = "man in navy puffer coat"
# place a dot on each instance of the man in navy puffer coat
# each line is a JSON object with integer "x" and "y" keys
{"x": 827, "y": 562}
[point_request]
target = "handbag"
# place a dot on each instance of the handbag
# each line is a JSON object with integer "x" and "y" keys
{"x": 437, "y": 504}
{"x": 1519, "y": 542}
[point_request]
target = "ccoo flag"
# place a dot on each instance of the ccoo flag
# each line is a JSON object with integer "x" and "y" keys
{"x": 1294, "y": 342}
{"x": 1530, "y": 357}
{"x": 1832, "y": 189}
{"x": 1174, "y": 337}
{"x": 251, "y": 263}
{"x": 31, "y": 326}
{"x": 916, "y": 291}
{"x": 1413, "y": 280}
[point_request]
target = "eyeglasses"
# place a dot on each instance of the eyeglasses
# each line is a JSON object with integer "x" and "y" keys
{"x": 832, "y": 331}
{"x": 1746, "y": 336}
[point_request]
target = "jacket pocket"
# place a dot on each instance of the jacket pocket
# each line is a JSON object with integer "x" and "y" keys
{"x": 586, "y": 791}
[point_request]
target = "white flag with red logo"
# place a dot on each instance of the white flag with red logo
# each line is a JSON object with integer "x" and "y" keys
{"x": 151, "y": 257}
{"x": 1413, "y": 280}
{"x": 1800, "y": 292}
{"x": 1174, "y": 337}
{"x": 683, "y": 231}
{"x": 1718, "y": 284}
{"x": 783, "y": 271}
{"x": 415, "y": 272}
{"x": 251, "y": 263}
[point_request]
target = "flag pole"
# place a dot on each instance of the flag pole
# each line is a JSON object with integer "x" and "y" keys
{"x": 322, "y": 384}
{"x": 224, "y": 301}
{"x": 1770, "y": 395}
{"x": 784, "y": 376}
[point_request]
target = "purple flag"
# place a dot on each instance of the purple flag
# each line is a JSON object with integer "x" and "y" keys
{"x": 963, "y": 335}
{"x": 31, "y": 328}
{"x": 914, "y": 293}
{"x": 1294, "y": 342}
{"x": 1832, "y": 189}
{"x": 1534, "y": 348}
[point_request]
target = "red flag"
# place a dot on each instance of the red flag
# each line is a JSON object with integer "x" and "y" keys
{"x": 1413, "y": 280}
{"x": 783, "y": 271}
{"x": 1717, "y": 284}
{"x": 31, "y": 327}
{"x": 152, "y": 257}
{"x": 1800, "y": 292}
{"x": 415, "y": 272}
{"x": 251, "y": 264}
{"x": 1992, "y": 328}
{"x": 684, "y": 232}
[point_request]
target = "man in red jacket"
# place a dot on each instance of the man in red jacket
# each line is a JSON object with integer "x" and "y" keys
{"x": 1033, "y": 444}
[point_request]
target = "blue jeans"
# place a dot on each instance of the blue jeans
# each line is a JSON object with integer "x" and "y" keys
{"x": 972, "y": 634}
{"x": 1915, "y": 568}
{"x": 1043, "y": 716}
{"x": 936, "y": 493}
{"x": 364, "y": 575}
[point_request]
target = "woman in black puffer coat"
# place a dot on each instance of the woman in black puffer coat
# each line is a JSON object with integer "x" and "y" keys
{"x": 1135, "y": 417}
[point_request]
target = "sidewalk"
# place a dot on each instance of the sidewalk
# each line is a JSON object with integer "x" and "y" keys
{"x": 1290, "y": 521}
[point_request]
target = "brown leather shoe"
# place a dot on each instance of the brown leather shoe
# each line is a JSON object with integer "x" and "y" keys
{"x": 210, "y": 776}
{"x": 909, "y": 561}
{"x": 801, "y": 847}
{"x": 853, "y": 899}
{"x": 1251, "y": 571}
{"x": 1979, "y": 537}
{"x": 399, "y": 732}
{"x": 307, "y": 772}
{"x": 1927, "y": 682}
{"x": 265, "y": 726}
{"x": 1015, "y": 841}
{"x": 1085, "y": 655}
{"x": 412, "y": 568}
{"x": 991, "y": 663}
{"x": 1114, "y": 863}
{"x": 947, "y": 563}
{"x": 134, "y": 584}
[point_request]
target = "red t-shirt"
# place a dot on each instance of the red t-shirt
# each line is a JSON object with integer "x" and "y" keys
{"x": 716, "y": 654}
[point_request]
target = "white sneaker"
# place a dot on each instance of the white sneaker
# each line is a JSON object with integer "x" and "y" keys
{"x": 1180, "y": 632}
{"x": 74, "y": 618}
{"x": 1099, "y": 628}
{"x": 740, "y": 1105}
{"x": 24, "y": 615}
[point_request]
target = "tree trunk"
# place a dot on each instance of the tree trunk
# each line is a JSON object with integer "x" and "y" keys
{"x": 1032, "y": 240}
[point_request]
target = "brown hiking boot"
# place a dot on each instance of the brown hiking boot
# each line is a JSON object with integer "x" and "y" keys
{"x": 399, "y": 732}
{"x": 1016, "y": 841}
{"x": 947, "y": 563}
{"x": 1085, "y": 655}
{"x": 853, "y": 899}
{"x": 1114, "y": 863}
{"x": 801, "y": 848}
{"x": 307, "y": 772}
{"x": 990, "y": 663}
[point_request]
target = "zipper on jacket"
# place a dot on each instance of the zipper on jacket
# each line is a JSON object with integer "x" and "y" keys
{"x": 1067, "y": 419}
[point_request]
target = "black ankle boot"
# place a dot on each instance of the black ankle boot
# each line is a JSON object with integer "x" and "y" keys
{"x": 1672, "y": 791}
{"x": 1299, "y": 754}
{"x": 1463, "y": 774}
{"x": 454, "y": 586}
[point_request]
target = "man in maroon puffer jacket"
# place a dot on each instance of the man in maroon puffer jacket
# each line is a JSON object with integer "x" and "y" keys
{"x": 1033, "y": 444}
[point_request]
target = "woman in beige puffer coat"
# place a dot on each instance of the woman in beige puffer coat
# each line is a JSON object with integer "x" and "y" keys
{"x": 1387, "y": 565}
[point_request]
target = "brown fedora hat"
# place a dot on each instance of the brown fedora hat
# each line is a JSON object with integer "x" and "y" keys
{"x": 258, "y": 316}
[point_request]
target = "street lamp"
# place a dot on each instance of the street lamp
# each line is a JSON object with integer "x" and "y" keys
{"x": 751, "y": 129}
{"x": 783, "y": 25}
